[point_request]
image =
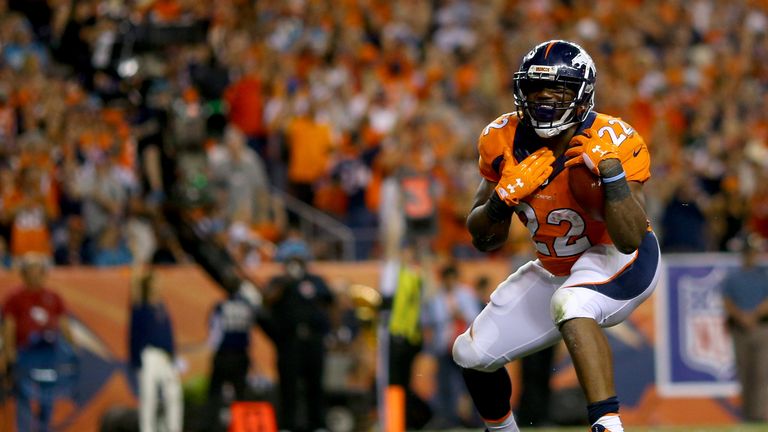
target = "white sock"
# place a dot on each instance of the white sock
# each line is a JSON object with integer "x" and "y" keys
{"x": 612, "y": 422}
{"x": 506, "y": 425}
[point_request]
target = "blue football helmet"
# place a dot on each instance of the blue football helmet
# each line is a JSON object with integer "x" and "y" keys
{"x": 555, "y": 64}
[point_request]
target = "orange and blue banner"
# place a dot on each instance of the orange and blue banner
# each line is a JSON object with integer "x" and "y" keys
{"x": 673, "y": 362}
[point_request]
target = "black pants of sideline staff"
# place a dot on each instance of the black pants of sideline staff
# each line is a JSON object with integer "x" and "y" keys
{"x": 300, "y": 364}
{"x": 228, "y": 367}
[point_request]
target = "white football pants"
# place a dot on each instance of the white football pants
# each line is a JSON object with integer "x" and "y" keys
{"x": 526, "y": 310}
{"x": 158, "y": 373}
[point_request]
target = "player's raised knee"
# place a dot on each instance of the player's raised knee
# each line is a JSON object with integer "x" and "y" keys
{"x": 569, "y": 303}
{"x": 558, "y": 305}
{"x": 466, "y": 354}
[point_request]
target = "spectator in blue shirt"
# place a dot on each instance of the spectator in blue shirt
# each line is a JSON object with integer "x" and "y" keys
{"x": 111, "y": 249}
{"x": 745, "y": 298}
{"x": 447, "y": 315}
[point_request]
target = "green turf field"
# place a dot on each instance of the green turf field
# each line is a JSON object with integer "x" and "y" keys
{"x": 760, "y": 428}
{"x": 739, "y": 428}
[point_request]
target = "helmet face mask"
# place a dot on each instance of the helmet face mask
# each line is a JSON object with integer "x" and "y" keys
{"x": 547, "y": 102}
{"x": 554, "y": 88}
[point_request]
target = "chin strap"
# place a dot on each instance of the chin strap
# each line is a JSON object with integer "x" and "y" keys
{"x": 553, "y": 131}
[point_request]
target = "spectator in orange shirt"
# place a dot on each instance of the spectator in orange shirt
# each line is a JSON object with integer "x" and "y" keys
{"x": 309, "y": 144}
{"x": 29, "y": 208}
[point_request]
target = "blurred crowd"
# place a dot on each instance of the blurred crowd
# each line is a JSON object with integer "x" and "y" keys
{"x": 367, "y": 110}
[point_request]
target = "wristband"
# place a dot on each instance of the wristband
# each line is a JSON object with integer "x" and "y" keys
{"x": 610, "y": 169}
{"x": 614, "y": 178}
{"x": 497, "y": 210}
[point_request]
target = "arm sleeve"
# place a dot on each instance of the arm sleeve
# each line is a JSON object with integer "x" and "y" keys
{"x": 171, "y": 338}
{"x": 164, "y": 327}
{"x": 636, "y": 159}
{"x": 136, "y": 339}
{"x": 491, "y": 143}
{"x": 489, "y": 162}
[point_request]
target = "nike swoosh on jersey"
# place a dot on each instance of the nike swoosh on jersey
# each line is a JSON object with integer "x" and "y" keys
{"x": 636, "y": 152}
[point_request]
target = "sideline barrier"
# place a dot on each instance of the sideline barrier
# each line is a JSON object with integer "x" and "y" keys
{"x": 98, "y": 300}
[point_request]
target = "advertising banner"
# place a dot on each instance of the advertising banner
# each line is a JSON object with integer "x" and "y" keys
{"x": 694, "y": 355}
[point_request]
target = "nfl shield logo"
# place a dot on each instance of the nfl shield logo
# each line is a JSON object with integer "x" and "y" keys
{"x": 706, "y": 345}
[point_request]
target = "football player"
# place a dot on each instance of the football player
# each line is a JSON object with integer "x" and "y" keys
{"x": 589, "y": 273}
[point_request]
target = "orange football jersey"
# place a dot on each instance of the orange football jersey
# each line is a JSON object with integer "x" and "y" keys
{"x": 561, "y": 230}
